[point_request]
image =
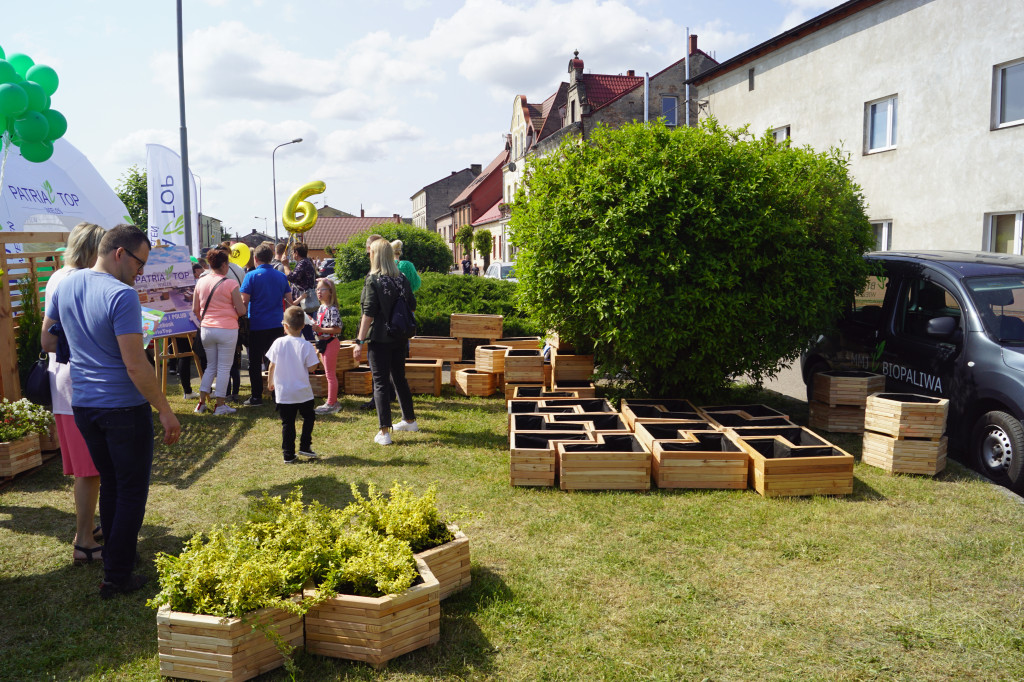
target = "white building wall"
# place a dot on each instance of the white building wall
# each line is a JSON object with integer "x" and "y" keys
{"x": 419, "y": 209}
{"x": 949, "y": 168}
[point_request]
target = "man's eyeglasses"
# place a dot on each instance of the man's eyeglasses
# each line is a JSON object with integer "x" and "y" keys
{"x": 142, "y": 263}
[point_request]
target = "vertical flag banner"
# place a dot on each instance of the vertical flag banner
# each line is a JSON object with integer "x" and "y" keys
{"x": 166, "y": 201}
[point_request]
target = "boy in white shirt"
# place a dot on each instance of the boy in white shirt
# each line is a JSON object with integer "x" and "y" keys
{"x": 290, "y": 357}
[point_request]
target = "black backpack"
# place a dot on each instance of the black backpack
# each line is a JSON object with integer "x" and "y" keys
{"x": 401, "y": 324}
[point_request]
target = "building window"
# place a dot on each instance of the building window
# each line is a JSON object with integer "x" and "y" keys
{"x": 750, "y": 78}
{"x": 781, "y": 134}
{"x": 881, "y": 124}
{"x": 572, "y": 108}
{"x": 669, "y": 107}
{"x": 883, "y": 234}
{"x": 1008, "y": 100}
{"x": 1005, "y": 231}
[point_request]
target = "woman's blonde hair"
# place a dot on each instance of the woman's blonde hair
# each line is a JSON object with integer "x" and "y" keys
{"x": 396, "y": 246}
{"x": 83, "y": 245}
{"x": 329, "y": 285}
{"x": 382, "y": 259}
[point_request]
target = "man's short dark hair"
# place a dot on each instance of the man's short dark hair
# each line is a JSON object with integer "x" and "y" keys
{"x": 264, "y": 254}
{"x": 123, "y": 236}
{"x": 280, "y": 248}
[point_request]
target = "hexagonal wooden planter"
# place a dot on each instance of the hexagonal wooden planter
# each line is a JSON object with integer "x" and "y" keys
{"x": 846, "y": 387}
{"x": 49, "y": 441}
{"x": 318, "y": 382}
{"x": 453, "y": 370}
{"x": 523, "y": 366}
{"x": 905, "y": 455}
{"x": 795, "y": 462}
{"x": 449, "y": 563}
{"x": 424, "y": 375}
{"x": 533, "y": 455}
{"x": 490, "y": 359}
{"x": 906, "y": 415}
{"x": 700, "y": 459}
{"x": 436, "y": 347}
{"x": 376, "y": 629}
{"x": 20, "y": 455}
{"x": 197, "y": 647}
{"x": 659, "y": 410}
{"x": 359, "y": 381}
{"x": 835, "y": 418}
{"x": 476, "y": 383}
{"x": 345, "y": 359}
{"x": 469, "y": 326}
{"x": 612, "y": 462}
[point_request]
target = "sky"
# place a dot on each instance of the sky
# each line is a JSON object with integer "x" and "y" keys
{"x": 387, "y": 95}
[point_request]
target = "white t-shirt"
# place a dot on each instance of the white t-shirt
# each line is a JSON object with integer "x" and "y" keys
{"x": 292, "y": 357}
{"x": 60, "y": 374}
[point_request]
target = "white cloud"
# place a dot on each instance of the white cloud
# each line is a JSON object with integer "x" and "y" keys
{"x": 715, "y": 36}
{"x": 131, "y": 148}
{"x": 248, "y": 138}
{"x": 369, "y": 143}
{"x": 349, "y": 105}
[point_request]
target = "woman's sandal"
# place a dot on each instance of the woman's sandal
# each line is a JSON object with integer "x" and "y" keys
{"x": 88, "y": 552}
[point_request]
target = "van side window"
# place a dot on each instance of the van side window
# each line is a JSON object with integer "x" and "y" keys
{"x": 921, "y": 302}
{"x": 867, "y": 304}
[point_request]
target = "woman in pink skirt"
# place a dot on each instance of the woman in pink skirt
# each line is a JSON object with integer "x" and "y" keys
{"x": 83, "y": 245}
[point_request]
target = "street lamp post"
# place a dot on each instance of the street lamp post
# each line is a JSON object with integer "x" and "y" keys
{"x": 273, "y": 170}
{"x": 259, "y": 217}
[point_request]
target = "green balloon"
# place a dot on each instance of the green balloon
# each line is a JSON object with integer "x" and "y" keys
{"x": 21, "y": 63}
{"x": 45, "y": 76}
{"x": 7, "y": 72}
{"x": 36, "y": 96}
{"x": 32, "y": 127}
{"x": 37, "y": 152}
{"x": 3, "y": 55}
{"x": 58, "y": 124}
{"x": 13, "y": 100}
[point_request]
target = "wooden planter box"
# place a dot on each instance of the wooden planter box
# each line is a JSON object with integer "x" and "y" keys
{"x": 449, "y": 563}
{"x": 474, "y": 382}
{"x": 652, "y": 410}
{"x": 318, "y": 382}
{"x": 535, "y": 392}
{"x": 521, "y": 342}
{"x": 49, "y": 441}
{"x": 376, "y": 629}
{"x": 598, "y": 422}
{"x": 613, "y": 462}
{"x": 435, "y": 347}
{"x": 359, "y": 381}
{"x": 533, "y": 456}
{"x": 796, "y": 463}
{"x": 490, "y": 359}
{"x": 571, "y": 367}
{"x": 846, "y": 387}
{"x": 454, "y": 370}
{"x": 904, "y": 455}
{"x": 558, "y": 344}
{"x": 20, "y": 455}
{"x": 521, "y": 366}
{"x": 701, "y": 459}
{"x": 836, "y": 418}
{"x": 583, "y": 389}
{"x": 533, "y": 423}
{"x": 345, "y": 359}
{"x": 647, "y": 432}
{"x": 466, "y": 326}
{"x": 906, "y": 415}
{"x": 547, "y": 374}
{"x": 745, "y": 415}
{"x": 424, "y": 376}
{"x": 196, "y": 647}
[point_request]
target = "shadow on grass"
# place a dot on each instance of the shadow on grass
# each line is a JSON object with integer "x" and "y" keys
{"x": 327, "y": 490}
{"x": 205, "y": 440}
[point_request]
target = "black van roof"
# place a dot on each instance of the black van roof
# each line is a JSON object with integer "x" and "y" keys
{"x": 960, "y": 263}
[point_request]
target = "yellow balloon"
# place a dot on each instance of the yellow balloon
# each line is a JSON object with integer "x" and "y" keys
{"x": 239, "y": 254}
{"x": 299, "y": 215}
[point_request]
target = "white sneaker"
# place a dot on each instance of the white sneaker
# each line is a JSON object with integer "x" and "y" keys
{"x": 200, "y": 408}
{"x": 191, "y": 396}
{"x": 224, "y": 409}
{"x": 328, "y": 409}
{"x": 382, "y": 438}
{"x": 309, "y": 453}
{"x": 406, "y": 426}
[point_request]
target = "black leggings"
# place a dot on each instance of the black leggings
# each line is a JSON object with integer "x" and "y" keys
{"x": 387, "y": 361}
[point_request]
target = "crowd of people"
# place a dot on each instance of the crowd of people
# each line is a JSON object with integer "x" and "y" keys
{"x": 104, "y": 387}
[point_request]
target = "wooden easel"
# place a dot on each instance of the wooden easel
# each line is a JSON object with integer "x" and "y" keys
{"x": 161, "y": 355}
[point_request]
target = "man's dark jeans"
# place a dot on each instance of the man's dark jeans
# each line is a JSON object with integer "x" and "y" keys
{"x": 120, "y": 441}
{"x": 260, "y": 341}
{"x": 388, "y": 360}
{"x": 288, "y": 411}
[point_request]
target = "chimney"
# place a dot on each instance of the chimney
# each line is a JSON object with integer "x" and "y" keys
{"x": 631, "y": 72}
{"x": 362, "y": 213}
{"x": 693, "y": 43}
{"x": 575, "y": 68}
{"x": 476, "y": 169}
{"x": 398, "y": 218}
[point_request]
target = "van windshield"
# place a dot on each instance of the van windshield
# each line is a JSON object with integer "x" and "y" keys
{"x": 1000, "y": 302}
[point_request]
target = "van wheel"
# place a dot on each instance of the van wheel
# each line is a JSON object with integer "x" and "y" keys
{"x": 815, "y": 368}
{"x": 998, "y": 446}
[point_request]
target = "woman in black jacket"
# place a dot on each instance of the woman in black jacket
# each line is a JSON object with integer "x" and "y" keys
{"x": 385, "y": 285}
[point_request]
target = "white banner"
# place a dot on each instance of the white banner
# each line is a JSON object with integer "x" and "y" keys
{"x": 166, "y": 202}
{"x": 57, "y": 194}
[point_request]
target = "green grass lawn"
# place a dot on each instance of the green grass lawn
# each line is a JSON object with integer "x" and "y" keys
{"x": 909, "y": 578}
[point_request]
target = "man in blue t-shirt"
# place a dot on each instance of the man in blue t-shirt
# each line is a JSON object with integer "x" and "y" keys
{"x": 114, "y": 385}
{"x": 266, "y": 291}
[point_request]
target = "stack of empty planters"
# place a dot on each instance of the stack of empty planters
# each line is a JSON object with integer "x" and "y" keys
{"x": 904, "y": 433}
{"x": 572, "y": 372}
{"x": 838, "y": 399}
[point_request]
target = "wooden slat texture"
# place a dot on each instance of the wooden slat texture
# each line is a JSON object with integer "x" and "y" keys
{"x": 521, "y": 342}
{"x": 903, "y": 415}
{"x": 699, "y": 468}
{"x": 476, "y": 383}
{"x": 449, "y": 563}
{"x": 836, "y": 418}
{"x": 798, "y": 475}
{"x": 571, "y": 367}
{"x": 469, "y": 326}
{"x": 523, "y": 366}
{"x": 359, "y": 381}
{"x": 436, "y": 347}
{"x": 846, "y": 387}
{"x": 490, "y": 359}
{"x": 20, "y": 455}
{"x": 904, "y": 455}
{"x": 609, "y": 469}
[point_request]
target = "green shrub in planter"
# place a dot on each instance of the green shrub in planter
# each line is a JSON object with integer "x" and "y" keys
{"x": 400, "y": 514}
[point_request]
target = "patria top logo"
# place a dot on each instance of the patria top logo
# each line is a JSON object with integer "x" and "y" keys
{"x": 44, "y": 195}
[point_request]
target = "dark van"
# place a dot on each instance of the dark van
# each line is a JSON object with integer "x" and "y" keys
{"x": 949, "y": 324}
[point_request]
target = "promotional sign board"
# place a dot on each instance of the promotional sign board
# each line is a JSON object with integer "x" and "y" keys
{"x": 166, "y": 199}
{"x": 166, "y": 287}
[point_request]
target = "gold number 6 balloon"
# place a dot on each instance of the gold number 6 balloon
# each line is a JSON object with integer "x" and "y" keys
{"x": 299, "y": 215}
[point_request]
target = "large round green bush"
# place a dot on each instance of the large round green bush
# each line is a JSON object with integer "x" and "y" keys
{"x": 426, "y": 250}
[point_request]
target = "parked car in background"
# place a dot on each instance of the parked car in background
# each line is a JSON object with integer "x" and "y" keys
{"x": 947, "y": 324}
{"x": 501, "y": 270}
{"x": 327, "y": 268}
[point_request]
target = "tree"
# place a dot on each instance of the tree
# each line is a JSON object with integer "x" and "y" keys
{"x": 688, "y": 256}
{"x": 464, "y": 238}
{"x": 426, "y": 250}
{"x": 482, "y": 242}
{"x": 133, "y": 191}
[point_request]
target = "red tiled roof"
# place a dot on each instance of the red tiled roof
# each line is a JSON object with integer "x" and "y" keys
{"x": 490, "y": 215}
{"x": 499, "y": 161}
{"x": 332, "y": 231}
{"x": 602, "y": 88}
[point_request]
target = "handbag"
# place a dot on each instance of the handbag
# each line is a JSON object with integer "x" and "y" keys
{"x": 37, "y": 385}
{"x": 310, "y": 304}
